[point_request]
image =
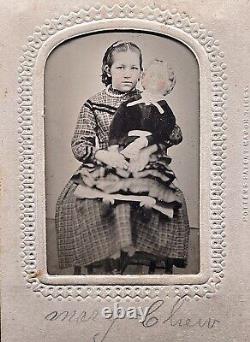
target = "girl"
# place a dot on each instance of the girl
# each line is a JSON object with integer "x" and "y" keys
{"x": 85, "y": 234}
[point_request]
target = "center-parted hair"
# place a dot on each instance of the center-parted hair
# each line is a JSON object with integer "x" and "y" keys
{"x": 119, "y": 46}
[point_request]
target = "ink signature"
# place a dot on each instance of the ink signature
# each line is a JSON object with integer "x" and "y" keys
{"x": 153, "y": 316}
{"x": 173, "y": 319}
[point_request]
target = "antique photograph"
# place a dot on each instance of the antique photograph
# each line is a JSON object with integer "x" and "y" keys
{"x": 125, "y": 171}
{"x": 122, "y": 130}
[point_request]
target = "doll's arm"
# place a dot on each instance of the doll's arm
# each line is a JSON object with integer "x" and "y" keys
{"x": 83, "y": 141}
{"x": 175, "y": 138}
{"x": 164, "y": 126}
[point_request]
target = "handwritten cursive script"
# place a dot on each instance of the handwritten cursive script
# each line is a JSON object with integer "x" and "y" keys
{"x": 175, "y": 319}
{"x": 71, "y": 316}
{"x": 154, "y": 315}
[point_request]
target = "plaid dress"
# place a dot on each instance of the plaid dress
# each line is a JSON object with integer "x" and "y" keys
{"x": 86, "y": 231}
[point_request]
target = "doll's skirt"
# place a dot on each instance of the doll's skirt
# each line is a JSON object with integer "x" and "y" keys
{"x": 87, "y": 232}
{"x": 155, "y": 180}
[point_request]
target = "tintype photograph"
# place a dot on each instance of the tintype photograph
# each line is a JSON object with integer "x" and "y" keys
{"x": 125, "y": 171}
{"x": 122, "y": 146}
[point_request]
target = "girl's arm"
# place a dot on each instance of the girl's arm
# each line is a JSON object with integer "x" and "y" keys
{"x": 83, "y": 141}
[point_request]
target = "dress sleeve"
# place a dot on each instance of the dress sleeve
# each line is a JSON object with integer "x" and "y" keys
{"x": 83, "y": 141}
{"x": 163, "y": 126}
{"x": 175, "y": 138}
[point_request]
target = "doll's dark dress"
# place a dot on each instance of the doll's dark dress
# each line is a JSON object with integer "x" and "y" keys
{"x": 85, "y": 233}
{"x": 140, "y": 116}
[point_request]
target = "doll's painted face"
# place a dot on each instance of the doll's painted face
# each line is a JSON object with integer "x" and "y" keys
{"x": 156, "y": 79}
{"x": 125, "y": 70}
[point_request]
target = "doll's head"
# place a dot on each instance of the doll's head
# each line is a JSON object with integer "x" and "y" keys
{"x": 158, "y": 78}
{"x": 122, "y": 66}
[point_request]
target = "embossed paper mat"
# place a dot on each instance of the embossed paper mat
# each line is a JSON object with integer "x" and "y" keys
{"x": 52, "y": 53}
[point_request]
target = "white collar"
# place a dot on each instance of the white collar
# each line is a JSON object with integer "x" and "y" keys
{"x": 116, "y": 93}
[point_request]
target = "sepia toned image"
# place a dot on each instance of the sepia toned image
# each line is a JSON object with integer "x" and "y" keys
{"x": 125, "y": 171}
{"x": 122, "y": 156}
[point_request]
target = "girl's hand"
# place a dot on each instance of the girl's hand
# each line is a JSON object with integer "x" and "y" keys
{"x": 148, "y": 202}
{"x": 112, "y": 158}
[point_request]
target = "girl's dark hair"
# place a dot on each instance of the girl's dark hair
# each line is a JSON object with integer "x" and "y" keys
{"x": 119, "y": 46}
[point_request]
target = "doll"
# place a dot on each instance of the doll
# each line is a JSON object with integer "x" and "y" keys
{"x": 143, "y": 121}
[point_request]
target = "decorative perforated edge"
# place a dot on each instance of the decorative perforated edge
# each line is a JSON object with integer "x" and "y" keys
{"x": 219, "y": 88}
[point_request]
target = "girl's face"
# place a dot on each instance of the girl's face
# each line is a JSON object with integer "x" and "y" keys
{"x": 125, "y": 70}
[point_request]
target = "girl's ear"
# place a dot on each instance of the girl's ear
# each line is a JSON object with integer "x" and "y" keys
{"x": 142, "y": 73}
{"x": 140, "y": 76}
{"x": 107, "y": 69}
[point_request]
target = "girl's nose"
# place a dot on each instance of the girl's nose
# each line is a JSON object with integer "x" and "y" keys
{"x": 127, "y": 74}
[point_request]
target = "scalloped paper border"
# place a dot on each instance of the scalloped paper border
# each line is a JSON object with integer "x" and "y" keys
{"x": 219, "y": 88}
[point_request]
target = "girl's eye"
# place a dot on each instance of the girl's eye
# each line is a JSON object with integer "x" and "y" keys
{"x": 120, "y": 67}
{"x": 134, "y": 68}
